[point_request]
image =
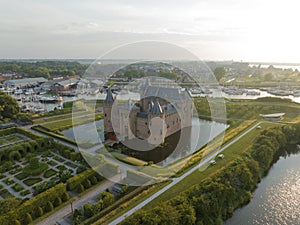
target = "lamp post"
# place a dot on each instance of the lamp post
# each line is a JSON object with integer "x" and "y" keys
{"x": 72, "y": 208}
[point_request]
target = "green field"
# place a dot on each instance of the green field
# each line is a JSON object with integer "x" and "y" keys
{"x": 67, "y": 123}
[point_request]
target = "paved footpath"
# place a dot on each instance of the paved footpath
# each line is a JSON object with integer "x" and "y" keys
{"x": 58, "y": 217}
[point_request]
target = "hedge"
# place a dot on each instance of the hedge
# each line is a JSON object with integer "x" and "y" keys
{"x": 31, "y": 205}
{"x": 74, "y": 182}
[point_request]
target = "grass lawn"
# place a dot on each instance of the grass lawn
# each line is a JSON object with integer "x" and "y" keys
{"x": 55, "y": 118}
{"x": 128, "y": 159}
{"x": 67, "y": 123}
{"x": 232, "y": 152}
{"x": 32, "y": 181}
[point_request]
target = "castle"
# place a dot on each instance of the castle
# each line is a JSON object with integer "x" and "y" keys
{"x": 161, "y": 112}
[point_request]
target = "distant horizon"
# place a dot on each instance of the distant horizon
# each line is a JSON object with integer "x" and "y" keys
{"x": 204, "y": 60}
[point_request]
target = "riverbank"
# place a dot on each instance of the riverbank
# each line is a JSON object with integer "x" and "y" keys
{"x": 276, "y": 199}
{"x": 216, "y": 197}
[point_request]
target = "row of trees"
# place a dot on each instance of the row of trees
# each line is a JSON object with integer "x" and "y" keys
{"x": 89, "y": 210}
{"x": 43, "y": 68}
{"x": 33, "y": 208}
{"x": 215, "y": 198}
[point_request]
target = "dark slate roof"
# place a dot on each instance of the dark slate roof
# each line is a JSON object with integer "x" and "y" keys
{"x": 142, "y": 115}
{"x": 163, "y": 92}
{"x": 109, "y": 97}
{"x": 156, "y": 109}
{"x": 169, "y": 109}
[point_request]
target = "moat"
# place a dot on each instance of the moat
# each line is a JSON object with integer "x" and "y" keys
{"x": 201, "y": 132}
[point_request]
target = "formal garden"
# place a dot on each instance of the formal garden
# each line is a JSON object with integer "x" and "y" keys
{"x": 38, "y": 174}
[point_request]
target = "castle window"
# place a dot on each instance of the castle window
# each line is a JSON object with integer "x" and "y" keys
{"x": 105, "y": 115}
{"x": 146, "y": 123}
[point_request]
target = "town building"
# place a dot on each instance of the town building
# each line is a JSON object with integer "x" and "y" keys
{"x": 25, "y": 82}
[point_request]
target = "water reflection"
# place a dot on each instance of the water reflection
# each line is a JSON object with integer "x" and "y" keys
{"x": 276, "y": 200}
{"x": 195, "y": 137}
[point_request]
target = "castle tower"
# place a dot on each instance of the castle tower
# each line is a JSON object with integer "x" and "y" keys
{"x": 157, "y": 124}
{"x": 107, "y": 109}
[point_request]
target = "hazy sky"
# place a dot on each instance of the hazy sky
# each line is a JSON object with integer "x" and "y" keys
{"x": 251, "y": 30}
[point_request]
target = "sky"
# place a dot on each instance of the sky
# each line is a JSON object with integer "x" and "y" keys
{"x": 237, "y": 30}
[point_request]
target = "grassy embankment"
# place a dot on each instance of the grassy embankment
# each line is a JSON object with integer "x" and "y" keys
{"x": 231, "y": 153}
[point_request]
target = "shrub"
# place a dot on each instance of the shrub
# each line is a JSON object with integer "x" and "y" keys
{"x": 57, "y": 202}
{"x": 94, "y": 180}
{"x": 18, "y": 187}
{"x": 87, "y": 184}
{"x": 88, "y": 210}
{"x": 80, "y": 188}
{"x": 49, "y": 207}
{"x": 39, "y": 212}
{"x": 65, "y": 197}
{"x": 108, "y": 198}
{"x": 74, "y": 182}
{"x": 16, "y": 222}
{"x": 14, "y": 155}
{"x": 27, "y": 219}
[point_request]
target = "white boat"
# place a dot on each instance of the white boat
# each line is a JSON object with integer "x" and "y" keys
{"x": 254, "y": 93}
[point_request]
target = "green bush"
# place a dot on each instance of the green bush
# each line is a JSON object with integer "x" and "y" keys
{"x": 74, "y": 182}
{"x": 88, "y": 210}
{"x": 16, "y": 222}
{"x": 87, "y": 184}
{"x": 57, "y": 202}
{"x": 39, "y": 212}
{"x": 49, "y": 207}
{"x": 18, "y": 187}
{"x": 65, "y": 197}
{"x": 80, "y": 188}
{"x": 27, "y": 219}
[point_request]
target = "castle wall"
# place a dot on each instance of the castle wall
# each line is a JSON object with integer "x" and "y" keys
{"x": 142, "y": 129}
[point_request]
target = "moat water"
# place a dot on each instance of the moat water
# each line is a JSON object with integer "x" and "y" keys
{"x": 277, "y": 197}
{"x": 201, "y": 132}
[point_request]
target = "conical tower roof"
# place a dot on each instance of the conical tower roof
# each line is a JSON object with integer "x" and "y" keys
{"x": 109, "y": 97}
{"x": 156, "y": 109}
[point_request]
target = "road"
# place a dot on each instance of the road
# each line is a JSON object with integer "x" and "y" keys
{"x": 178, "y": 179}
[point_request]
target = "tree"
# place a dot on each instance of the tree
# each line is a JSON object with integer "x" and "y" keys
{"x": 8, "y": 204}
{"x": 268, "y": 77}
{"x": 57, "y": 202}
{"x": 65, "y": 197}
{"x": 80, "y": 188}
{"x": 39, "y": 212}
{"x": 9, "y": 106}
{"x": 219, "y": 73}
{"x": 88, "y": 210}
{"x": 49, "y": 207}
{"x": 108, "y": 198}
{"x": 27, "y": 219}
{"x": 64, "y": 175}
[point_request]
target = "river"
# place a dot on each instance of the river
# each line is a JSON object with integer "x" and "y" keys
{"x": 277, "y": 197}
